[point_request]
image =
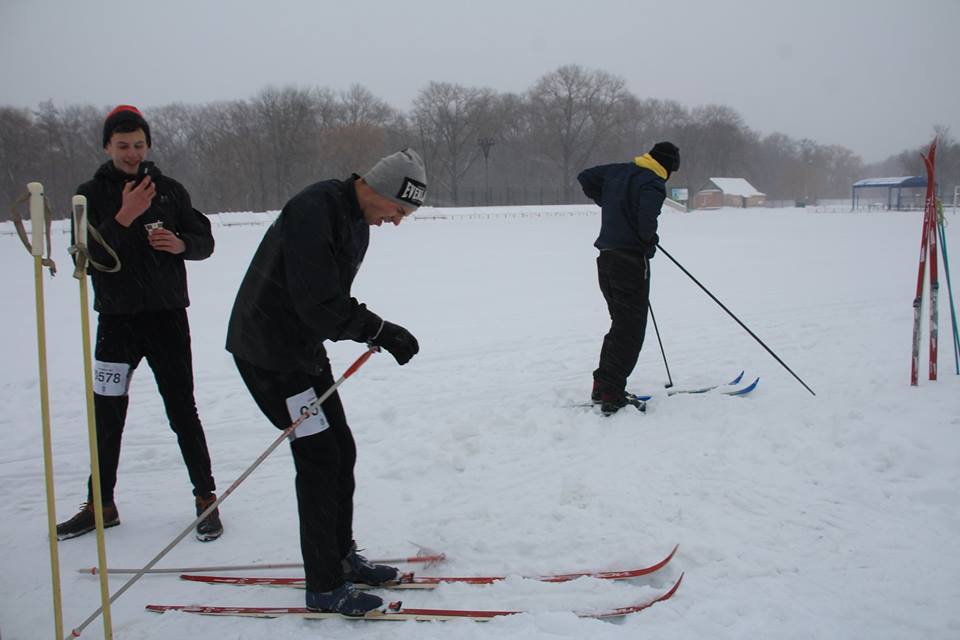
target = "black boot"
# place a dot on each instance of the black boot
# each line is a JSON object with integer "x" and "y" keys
{"x": 356, "y": 568}
{"x": 210, "y": 528}
{"x": 84, "y": 521}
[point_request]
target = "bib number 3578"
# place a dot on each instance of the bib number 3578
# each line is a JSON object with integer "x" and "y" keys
{"x": 111, "y": 378}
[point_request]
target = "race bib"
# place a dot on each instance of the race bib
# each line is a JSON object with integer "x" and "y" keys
{"x": 111, "y": 378}
{"x": 303, "y": 404}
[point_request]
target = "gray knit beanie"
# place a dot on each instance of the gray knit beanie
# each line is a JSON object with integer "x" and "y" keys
{"x": 401, "y": 177}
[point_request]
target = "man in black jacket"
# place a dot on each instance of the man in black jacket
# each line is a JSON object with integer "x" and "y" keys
{"x": 149, "y": 222}
{"x": 294, "y": 296}
{"x": 630, "y": 195}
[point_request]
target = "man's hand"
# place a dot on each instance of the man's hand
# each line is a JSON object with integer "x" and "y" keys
{"x": 398, "y": 341}
{"x": 136, "y": 200}
{"x": 165, "y": 240}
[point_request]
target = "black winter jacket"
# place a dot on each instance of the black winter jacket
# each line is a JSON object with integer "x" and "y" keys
{"x": 296, "y": 292}
{"x": 148, "y": 280}
{"x": 630, "y": 195}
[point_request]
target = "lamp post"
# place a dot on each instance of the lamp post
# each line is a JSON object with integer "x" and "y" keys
{"x": 485, "y": 145}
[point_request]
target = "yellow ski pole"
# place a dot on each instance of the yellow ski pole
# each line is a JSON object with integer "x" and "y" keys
{"x": 80, "y": 230}
{"x": 37, "y": 227}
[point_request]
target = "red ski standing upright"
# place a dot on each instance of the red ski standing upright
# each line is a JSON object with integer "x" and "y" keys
{"x": 928, "y": 248}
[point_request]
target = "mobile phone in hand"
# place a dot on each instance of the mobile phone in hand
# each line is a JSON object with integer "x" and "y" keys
{"x": 143, "y": 171}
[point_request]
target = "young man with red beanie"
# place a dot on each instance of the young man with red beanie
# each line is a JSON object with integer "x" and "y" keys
{"x": 630, "y": 195}
{"x": 147, "y": 219}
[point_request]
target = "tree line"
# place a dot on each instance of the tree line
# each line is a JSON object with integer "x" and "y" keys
{"x": 480, "y": 146}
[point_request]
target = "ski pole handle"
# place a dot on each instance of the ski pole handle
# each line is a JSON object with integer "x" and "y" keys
{"x": 80, "y": 220}
{"x": 36, "y": 219}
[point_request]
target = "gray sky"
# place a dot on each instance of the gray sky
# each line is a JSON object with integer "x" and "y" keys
{"x": 874, "y": 76}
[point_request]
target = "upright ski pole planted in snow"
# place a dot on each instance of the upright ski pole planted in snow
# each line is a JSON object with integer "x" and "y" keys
{"x": 730, "y": 313}
{"x": 946, "y": 271}
{"x": 38, "y": 224}
{"x": 305, "y": 413}
{"x": 79, "y": 251}
{"x": 662, "y": 352}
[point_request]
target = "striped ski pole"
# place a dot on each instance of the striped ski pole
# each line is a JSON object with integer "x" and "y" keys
{"x": 428, "y": 558}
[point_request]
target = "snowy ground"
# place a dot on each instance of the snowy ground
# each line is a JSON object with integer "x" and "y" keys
{"x": 833, "y": 516}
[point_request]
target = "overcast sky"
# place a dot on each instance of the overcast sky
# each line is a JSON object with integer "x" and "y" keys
{"x": 874, "y": 76}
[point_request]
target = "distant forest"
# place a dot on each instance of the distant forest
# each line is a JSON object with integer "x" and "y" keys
{"x": 480, "y": 146}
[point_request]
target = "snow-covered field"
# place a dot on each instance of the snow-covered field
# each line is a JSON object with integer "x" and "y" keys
{"x": 835, "y": 516}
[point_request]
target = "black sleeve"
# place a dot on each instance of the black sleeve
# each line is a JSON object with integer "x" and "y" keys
{"x": 591, "y": 180}
{"x": 646, "y": 200}
{"x": 193, "y": 227}
{"x": 313, "y": 277}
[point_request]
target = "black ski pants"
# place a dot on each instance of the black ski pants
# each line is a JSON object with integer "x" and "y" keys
{"x": 163, "y": 338}
{"x": 324, "y": 464}
{"x": 625, "y": 283}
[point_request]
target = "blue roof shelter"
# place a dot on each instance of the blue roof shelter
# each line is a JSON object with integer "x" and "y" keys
{"x": 890, "y": 184}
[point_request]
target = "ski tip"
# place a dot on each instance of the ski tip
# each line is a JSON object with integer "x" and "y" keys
{"x": 738, "y": 378}
{"x": 673, "y": 589}
{"x": 744, "y": 390}
{"x": 673, "y": 552}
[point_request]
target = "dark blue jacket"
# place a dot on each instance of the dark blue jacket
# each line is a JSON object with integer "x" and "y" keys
{"x": 630, "y": 195}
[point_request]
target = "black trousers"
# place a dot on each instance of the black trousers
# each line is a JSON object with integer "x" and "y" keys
{"x": 324, "y": 464}
{"x": 625, "y": 282}
{"x": 163, "y": 338}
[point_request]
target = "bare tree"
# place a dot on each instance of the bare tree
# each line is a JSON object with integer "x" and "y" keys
{"x": 573, "y": 112}
{"x": 450, "y": 118}
{"x": 292, "y": 119}
{"x": 358, "y": 135}
{"x": 20, "y": 154}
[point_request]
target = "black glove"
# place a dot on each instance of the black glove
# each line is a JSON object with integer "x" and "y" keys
{"x": 398, "y": 341}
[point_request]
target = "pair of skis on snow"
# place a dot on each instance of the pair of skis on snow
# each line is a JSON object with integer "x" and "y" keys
{"x": 731, "y": 388}
{"x": 396, "y": 610}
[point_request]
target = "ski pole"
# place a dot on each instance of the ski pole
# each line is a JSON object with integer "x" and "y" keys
{"x": 37, "y": 227}
{"x": 730, "y": 313}
{"x": 427, "y": 558}
{"x": 304, "y": 414}
{"x": 80, "y": 273}
{"x": 662, "y": 352}
{"x": 946, "y": 270}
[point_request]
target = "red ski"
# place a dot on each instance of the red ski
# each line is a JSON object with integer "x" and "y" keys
{"x": 396, "y": 611}
{"x": 411, "y": 581}
{"x": 928, "y": 251}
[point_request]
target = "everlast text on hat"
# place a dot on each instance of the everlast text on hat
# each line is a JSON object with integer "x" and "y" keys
{"x": 412, "y": 191}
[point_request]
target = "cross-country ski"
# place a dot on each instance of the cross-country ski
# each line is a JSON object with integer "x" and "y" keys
{"x": 412, "y": 581}
{"x": 396, "y": 612}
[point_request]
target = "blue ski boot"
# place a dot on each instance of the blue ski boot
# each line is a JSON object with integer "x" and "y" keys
{"x": 346, "y": 600}
{"x": 356, "y": 568}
